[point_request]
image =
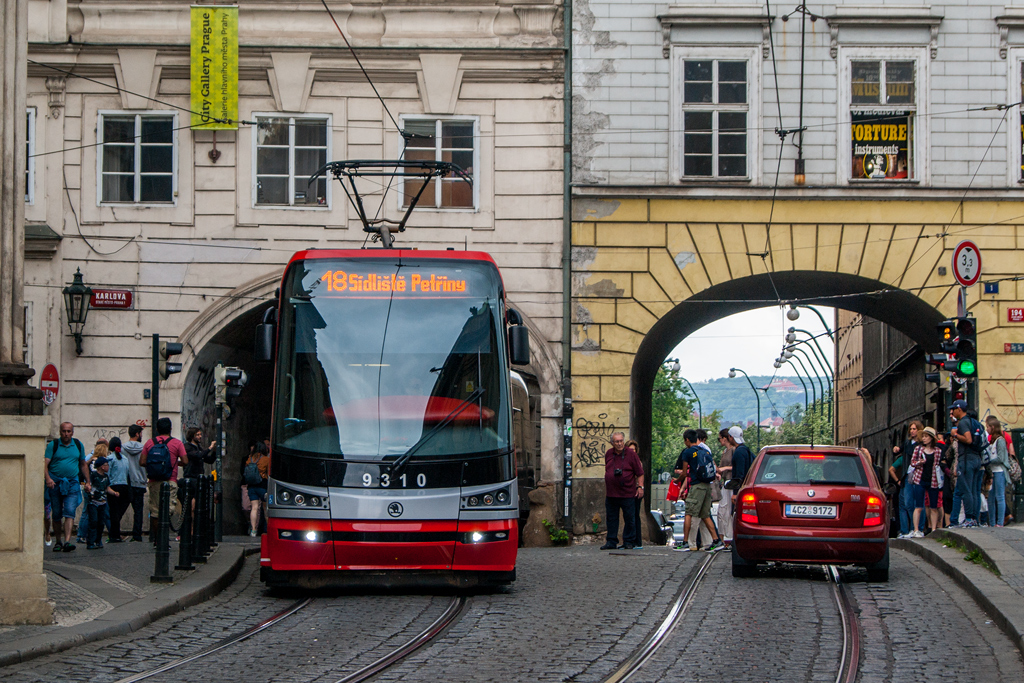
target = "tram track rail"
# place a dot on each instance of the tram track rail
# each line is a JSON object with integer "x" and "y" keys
{"x": 849, "y": 661}
{"x": 454, "y": 611}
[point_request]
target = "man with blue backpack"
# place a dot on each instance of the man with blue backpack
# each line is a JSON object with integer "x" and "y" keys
{"x": 65, "y": 473}
{"x": 972, "y": 440}
{"x": 161, "y": 457}
{"x": 699, "y": 465}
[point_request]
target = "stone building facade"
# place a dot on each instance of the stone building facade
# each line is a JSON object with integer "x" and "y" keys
{"x": 725, "y": 159}
{"x": 199, "y": 225}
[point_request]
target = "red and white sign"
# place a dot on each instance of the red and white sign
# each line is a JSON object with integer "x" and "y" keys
{"x": 1015, "y": 315}
{"x": 49, "y": 382}
{"x": 120, "y": 299}
{"x": 967, "y": 263}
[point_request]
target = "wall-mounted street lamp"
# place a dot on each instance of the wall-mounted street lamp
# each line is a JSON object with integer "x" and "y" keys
{"x": 76, "y": 305}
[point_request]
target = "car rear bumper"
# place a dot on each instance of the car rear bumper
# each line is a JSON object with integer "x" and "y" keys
{"x": 826, "y": 546}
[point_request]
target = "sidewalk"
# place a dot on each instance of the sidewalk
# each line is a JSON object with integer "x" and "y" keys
{"x": 999, "y": 593}
{"x": 103, "y": 593}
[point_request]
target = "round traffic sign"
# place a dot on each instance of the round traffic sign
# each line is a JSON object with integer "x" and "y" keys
{"x": 967, "y": 263}
{"x": 49, "y": 382}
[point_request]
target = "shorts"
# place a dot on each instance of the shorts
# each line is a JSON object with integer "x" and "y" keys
{"x": 154, "y": 498}
{"x": 65, "y": 504}
{"x": 257, "y": 493}
{"x": 698, "y": 501}
{"x": 921, "y": 494}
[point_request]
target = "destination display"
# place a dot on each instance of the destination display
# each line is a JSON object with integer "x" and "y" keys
{"x": 416, "y": 283}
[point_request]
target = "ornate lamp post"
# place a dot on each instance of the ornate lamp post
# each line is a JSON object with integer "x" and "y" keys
{"x": 76, "y": 304}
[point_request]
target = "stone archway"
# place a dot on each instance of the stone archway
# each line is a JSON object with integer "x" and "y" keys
{"x": 648, "y": 272}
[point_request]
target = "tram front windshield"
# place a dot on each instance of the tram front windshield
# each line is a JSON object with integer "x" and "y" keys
{"x": 380, "y": 358}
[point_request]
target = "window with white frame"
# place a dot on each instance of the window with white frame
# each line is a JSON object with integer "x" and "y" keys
{"x": 715, "y": 114}
{"x": 883, "y": 103}
{"x": 289, "y": 149}
{"x": 137, "y": 159}
{"x": 452, "y": 140}
{"x": 30, "y": 150}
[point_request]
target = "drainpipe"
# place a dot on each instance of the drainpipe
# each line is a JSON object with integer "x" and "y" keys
{"x": 567, "y": 265}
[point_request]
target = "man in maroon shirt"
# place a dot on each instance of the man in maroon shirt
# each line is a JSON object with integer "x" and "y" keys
{"x": 623, "y": 483}
{"x": 176, "y": 450}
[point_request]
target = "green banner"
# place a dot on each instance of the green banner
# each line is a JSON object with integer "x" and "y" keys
{"x": 214, "y": 102}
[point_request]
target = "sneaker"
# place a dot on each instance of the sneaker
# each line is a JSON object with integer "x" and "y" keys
{"x": 628, "y": 547}
{"x": 638, "y": 547}
{"x": 252, "y": 532}
{"x": 58, "y": 547}
{"x": 606, "y": 546}
{"x": 916, "y": 534}
{"x": 48, "y": 543}
{"x": 135, "y": 540}
{"x": 93, "y": 546}
{"x": 82, "y": 541}
{"x": 68, "y": 547}
{"x": 115, "y": 540}
{"x": 970, "y": 524}
{"x": 954, "y": 525}
{"x": 715, "y": 546}
{"x": 909, "y": 534}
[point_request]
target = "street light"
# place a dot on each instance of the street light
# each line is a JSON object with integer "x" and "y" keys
{"x": 779, "y": 362}
{"x": 824, "y": 367}
{"x": 673, "y": 365}
{"x": 788, "y": 356}
{"x": 821, "y": 385}
{"x": 794, "y": 315}
{"x": 732, "y": 373}
{"x": 76, "y": 304}
{"x": 791, "y": 337}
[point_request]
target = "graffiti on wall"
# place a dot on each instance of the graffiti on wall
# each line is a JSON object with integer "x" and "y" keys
{"x": 594, "y": 437}
{"x": 1008, "y": 405}
{"x": 198, "y": 407}
{"x": 119, "y": 432}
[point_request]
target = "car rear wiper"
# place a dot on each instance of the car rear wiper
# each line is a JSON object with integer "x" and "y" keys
{"x": 829, "y": 482}
{"x": 403, "y": 459}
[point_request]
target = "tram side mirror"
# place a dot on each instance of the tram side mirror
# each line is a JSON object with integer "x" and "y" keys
{"x": 265, "y": 333}
{"x": 519, "y": 345}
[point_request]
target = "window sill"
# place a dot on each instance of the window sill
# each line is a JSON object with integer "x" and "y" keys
{"x": 286, "y": 207}
{"x": 139, "y": 205}
{"x": 893, "y": 183}
{"x": 704, "y": 180}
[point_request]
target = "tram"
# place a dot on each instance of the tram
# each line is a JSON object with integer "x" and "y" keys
{"x": 393, "y": 458}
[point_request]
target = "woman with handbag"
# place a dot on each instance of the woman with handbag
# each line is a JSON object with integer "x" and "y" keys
{"x": 999, "y": 461}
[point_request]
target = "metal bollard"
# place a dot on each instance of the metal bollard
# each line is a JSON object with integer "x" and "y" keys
{"x": 211, "y": 527}
{"x": 185, "y": 547}
{"x": 199, "y": 550}
{"x": 162, "y": 571}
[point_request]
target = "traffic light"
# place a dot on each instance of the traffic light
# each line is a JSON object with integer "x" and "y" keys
{"x": 168, "y": 349}
{"x": 966, "y": 348}
{"x": 229, "y": 382}
{"x": 947, "y": 336}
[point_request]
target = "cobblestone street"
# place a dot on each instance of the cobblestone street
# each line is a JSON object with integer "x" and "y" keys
{"x": 576, "y": 615}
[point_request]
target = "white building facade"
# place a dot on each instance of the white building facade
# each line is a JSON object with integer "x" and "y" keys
{"x": 198, "y": 225}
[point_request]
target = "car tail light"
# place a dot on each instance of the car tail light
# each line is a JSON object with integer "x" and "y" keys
{"x": 748, "y": 508}
{"x": 873, "y": 514}
{"x": 807, "y": 456}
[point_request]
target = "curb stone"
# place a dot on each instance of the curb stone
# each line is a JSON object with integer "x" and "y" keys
{"x": 1000, "y": 602}
{"x": 136, "y": 614}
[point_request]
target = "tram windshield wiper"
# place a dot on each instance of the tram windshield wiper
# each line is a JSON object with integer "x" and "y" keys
{"x": 403, "y": 459}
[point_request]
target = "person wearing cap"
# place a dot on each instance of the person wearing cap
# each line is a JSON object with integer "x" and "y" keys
{"x": 742, "y": 458}
{"x": 969, "y": 469}
{"x": 926, "y": 480}
{"x": 101, "y": 488}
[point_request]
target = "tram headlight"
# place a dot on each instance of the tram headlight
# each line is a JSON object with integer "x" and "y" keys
{"x": 497, "y": 498}
{"x": 502, "y": 497}
{"x": 285, "y": 496}
{"x": 488, "y": 499}
{"x": 473, "y": 501}
{"x": 300, "y": 499}
{"x": 310, "y": 535}
{"x": 314, "y": 501}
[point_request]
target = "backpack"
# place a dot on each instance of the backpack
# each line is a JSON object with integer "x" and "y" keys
{"x": 705, "y": 472}
{"x": 158, "y": 460}
{"x": 53, "y": 450}
{"x": 979, "y": 441}
{"x": 251, "y": 473}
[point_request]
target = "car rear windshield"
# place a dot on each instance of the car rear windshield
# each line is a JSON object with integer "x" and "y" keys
{"x": 812, "y": 468}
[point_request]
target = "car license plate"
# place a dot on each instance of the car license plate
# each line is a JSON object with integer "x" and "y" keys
{"x": 803, "y": 510}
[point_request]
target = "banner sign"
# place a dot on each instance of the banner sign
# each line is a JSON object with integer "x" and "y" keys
{"x": 214, "y": 102}
{"x": 879, "y": 144}
{"x": 121, "y": 299}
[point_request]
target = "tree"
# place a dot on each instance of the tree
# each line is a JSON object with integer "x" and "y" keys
{"x": 672, "y": 412}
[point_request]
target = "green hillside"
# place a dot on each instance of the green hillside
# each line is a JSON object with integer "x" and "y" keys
{"x": 734, "y": 397}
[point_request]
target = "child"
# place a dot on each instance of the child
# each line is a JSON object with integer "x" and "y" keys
{"x": 98, "y": 501}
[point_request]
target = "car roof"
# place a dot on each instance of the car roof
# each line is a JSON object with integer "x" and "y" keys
{"x": 817, "y": 448}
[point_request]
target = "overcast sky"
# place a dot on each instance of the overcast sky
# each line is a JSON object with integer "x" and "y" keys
{"x": 750, "y": 341}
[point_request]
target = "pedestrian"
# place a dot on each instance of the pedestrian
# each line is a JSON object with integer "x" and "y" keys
{"x": 698, "y": 466}
{"x": 970, "y": 438}
{"x": 119, "y": 482}
{"x": 101, "y": 488}
{"x": 255, "y": 473}
{"x": 198, "y": 457}
{"x": 926, "y": 480}
{"x": 898, "y": 471}
{"x": 65, "y": 466}
{"x": 724, "y": 474}
{"x": 85, "y": 520}
{"x": 623, "y": 483}
{"x": 161, "y": 457}
{"x": 742, "y": 458}
{"x": 999, "y": 461}
{"x": 132, "y": 451}
{"x": 949, "y": 459}
{"x": 638, "y": 541}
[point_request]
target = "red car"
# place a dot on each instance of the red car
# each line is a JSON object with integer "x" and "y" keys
{"x": 813, "y": 504}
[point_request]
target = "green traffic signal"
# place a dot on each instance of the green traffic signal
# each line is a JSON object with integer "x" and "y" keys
{"x": 966, "y": 368}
